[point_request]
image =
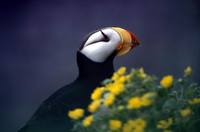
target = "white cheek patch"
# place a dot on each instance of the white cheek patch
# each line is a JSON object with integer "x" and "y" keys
{"x": 100, "y": 51}
{"x": 97, "y": 52}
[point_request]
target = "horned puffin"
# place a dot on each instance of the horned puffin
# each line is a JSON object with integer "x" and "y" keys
{"x": 95, "y": 63}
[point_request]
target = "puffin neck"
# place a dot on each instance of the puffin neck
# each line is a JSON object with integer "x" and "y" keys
{"x": 91, "y": 70}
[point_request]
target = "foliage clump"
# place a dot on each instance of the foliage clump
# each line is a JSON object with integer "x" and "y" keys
{"x": 139, "y": 102}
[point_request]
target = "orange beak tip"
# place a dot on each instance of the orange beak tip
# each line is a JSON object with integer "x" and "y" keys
{"x": 135, "y": 41}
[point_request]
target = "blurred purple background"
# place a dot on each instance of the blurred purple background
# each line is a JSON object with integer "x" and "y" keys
{"x": 39, "y": 39}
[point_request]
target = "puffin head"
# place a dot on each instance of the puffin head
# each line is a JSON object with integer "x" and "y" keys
{"x": 102, "y": 43}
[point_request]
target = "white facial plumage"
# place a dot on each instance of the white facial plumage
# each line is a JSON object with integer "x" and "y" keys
{"x": 97, "y": 50}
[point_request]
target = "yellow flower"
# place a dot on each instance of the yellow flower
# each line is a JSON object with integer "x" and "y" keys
{"x": 109, "y": 100}
{"x": 119, "y": 76}
{"x": 121, "y": 70}
{"x": 115, "y": 88}
{"x": 140, "y": 122}
{"x": 94, "y": 106}
{"x": 164, "y": 124}
{"x": 127, "y": 127}
{"x": 136, "y": 125}
{"x": 142, "y": 73}
{"x": 146, "y": 102}
{"x": 115, "y": 76}
{"x": 97, "y": 93}
{"x": 138, "y": 129}
{"x": 167, "y": 81}
{"x": 147, "y": 98}
{"x": 134, "y": 103}
{"x": 76, "y": 113}
{"x": 194, "y": 101}
{"x": 185, "y": 112}
{"x": 115, "y": 124}
{"x": 88, "y": 121}
{"x": 121, "y": 79}
{"x": 188, "y": 71}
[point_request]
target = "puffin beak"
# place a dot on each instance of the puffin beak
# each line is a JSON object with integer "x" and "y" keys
{"x": 128, "y": 41}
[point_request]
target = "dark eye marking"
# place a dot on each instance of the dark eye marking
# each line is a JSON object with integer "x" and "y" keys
{"x": 106, "y": 39}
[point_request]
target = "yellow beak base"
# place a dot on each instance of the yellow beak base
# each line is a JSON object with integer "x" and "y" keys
{"x": 126, "y": 41}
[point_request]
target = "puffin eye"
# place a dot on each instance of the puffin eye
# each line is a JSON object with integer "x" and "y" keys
{"x": 106, "y": 39}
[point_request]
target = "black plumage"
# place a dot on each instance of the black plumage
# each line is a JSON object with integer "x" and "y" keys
{"x": 95, "y": 63}
{"x": 52, "y": 113}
